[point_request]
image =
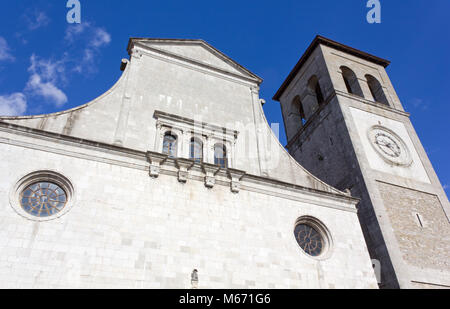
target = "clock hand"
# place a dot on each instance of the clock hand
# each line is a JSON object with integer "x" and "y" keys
{"x": 379, "y": 143}
{"x": 393, "y": 147}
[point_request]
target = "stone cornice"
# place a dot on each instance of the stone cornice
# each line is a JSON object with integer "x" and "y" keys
{"x": 171, "y": 119}
{"x": 371, "y": 103}
{"x": 183, "y": 166}
{"x": 168, "y": 166}
{"x": 336, "y": 93}
{"x": 320, "y": 40}
{"x": 155, "y": 159}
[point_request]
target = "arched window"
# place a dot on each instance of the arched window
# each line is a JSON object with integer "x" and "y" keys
{"x": 170, "y": 145}
{"x": 351, "y": 82}
{"x": 220, "y": 155}
{"x": 376, "y": 89}
{"x": 196, "y": 150}
{"x": 298, "y": 110}
{"x": 314, "y": 86}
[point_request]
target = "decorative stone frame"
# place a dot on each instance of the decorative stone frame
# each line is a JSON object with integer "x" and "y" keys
{"x": 172, "y": 131}
{"x": 224, "y": 143}
{"x": 322, "y": 230}
{"x": 199, "y": 138}
{"x": 41, "y": 176}
{"x": 185, "y": 129}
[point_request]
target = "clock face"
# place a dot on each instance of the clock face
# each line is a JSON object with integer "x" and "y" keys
{"x": 389, "y": 146}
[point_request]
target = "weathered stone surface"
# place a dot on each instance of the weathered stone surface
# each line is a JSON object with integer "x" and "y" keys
{"x": 129, "y": 229}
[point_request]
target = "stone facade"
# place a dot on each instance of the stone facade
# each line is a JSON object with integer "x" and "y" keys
{"x": 138, "y": 218}
{"x": 388, "y": 170}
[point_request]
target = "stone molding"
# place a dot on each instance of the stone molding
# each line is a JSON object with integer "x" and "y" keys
{"x": 155, "y": 159}
{"x": 153, "y": 50}
{"x": 171, "y": 120}
{"x": 101, "y": 152}
{"x": 45, "y": 175}
{"x": 183, "y": 166}
{"x": 311, "y": 123}
{"x": 186, "y": 128}
{"x": 210, "y": 171}
{"x": 235, "y": 176}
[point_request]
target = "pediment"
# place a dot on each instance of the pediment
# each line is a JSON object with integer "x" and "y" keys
{"x": 200, "y": 52}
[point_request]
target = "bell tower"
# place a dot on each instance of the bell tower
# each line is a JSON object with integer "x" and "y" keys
{"x": 346, "y": 125}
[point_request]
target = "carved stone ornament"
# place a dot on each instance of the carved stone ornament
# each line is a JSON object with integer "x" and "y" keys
{"x": 210, "y": 170}
{"x": 235, "y": 176}
{"x": 183, "y": 168}
{"x": 155, "y": 159}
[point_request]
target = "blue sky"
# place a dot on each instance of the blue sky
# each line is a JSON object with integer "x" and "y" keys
{"x": 47, "y": 65}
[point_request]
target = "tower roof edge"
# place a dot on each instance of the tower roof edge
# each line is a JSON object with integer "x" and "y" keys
{"x": 320, "y": 40}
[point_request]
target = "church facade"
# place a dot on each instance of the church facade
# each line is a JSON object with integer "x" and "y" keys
{"x": 174, "y": 179}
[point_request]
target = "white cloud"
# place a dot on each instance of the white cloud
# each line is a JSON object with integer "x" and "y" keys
{"x": 101, "y": 38}
{"x": 445, "y": 186}
{"x": 74, "y": 30}
{"x": 13, "y": 105}
{"x": 47, "y": 90}
{"x": 52, "y": 70}
{"x": 48, "y": 75}
{"x": 5, "y": 53}
{"x": 45, "y": 74}
{"x": 94, "y": 38}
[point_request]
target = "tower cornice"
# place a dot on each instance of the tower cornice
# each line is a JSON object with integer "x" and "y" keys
{"x": 320, "y": 40}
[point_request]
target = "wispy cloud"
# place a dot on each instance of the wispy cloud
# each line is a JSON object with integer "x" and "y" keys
{"x": 5, "y": 52}
{"x": 49, "y": 69}
{"x": 13, "y": 105}
{"x": 48, "y": 76}
{"x": 44, "y": 76}
{"x": 101, "y": 38}
{"x": 94, "y": 39}
{"x": 74, "y": 30}
{"x": 446, "y": 186}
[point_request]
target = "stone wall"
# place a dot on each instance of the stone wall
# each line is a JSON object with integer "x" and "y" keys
{"x": 128, "y": 230}
{"x": 420, "y": 226}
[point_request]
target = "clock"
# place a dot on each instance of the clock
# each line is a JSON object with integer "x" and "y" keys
{"x": 389, "y": 146}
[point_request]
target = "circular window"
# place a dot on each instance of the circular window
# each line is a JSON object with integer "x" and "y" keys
{"x": 312, "y": 237}
{"x": 42, "y": 196}
{"x": 43, "y": 199}
{"x": 309, "y": 239}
